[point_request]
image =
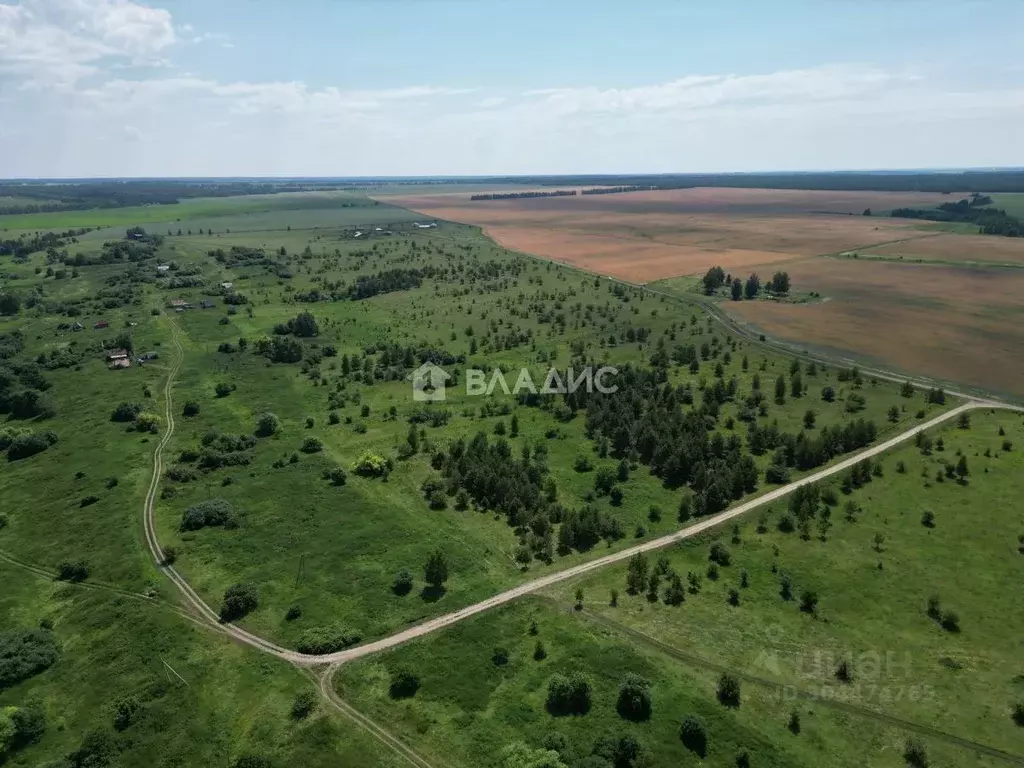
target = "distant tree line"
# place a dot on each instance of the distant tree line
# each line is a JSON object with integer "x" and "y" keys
{"x": 889, "y": 181}
{"x": 88, "y": 195}
{"x": 517, "y": 195}
{"x": 970, "y": 210}
{"x": 614, "y": 190}
{"x": 25, "y": 245}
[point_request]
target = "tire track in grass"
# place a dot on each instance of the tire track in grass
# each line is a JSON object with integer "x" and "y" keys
{"x": 201, "y": 613}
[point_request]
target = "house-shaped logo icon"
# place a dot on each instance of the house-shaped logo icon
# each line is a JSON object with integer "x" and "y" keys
{"x": 428, "y": 383}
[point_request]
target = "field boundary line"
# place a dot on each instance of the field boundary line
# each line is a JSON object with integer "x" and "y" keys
{"x": 98, "y": 586}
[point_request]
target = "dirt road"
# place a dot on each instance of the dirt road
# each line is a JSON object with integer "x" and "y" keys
{"x": 207, "y": 614}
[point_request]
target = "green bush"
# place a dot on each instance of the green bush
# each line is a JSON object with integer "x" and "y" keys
{"x": 209, "y": 513}
{"x": 370, "y": 464}
{"x": 568, "y": 694}
{"x": 321, "y": 640}
{"x": 312, "y": 445}
{"x": 27, "y": 444}
{"x": 404, "y": 684}
{"x": 304, "y": 705}
{"x": 25, "y": 653}
{"x": 73, "y": 570}
{"x": 267, "y": 424}
{"x": 634, "y": 698}
{"x": 126, "y": 412}
{"x": 694, "y": 735}
{"x": 239, "y": 600}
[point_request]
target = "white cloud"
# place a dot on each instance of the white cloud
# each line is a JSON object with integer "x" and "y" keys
{"x": 59, "y": 42}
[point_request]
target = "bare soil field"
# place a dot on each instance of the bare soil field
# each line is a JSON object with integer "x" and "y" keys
{"x": 955, "y": 323}
{"x": 959, "y": 248}
{"x": 644, "y": 236}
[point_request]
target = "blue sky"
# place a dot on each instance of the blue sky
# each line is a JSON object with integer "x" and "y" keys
{"x": 408, "y": 87}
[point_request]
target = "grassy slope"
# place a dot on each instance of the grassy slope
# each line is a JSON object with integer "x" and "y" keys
{"x": 233, "y": 701}
{"x": 346, "y": 577}
{"x": 962, "y": 683}
{"x": 467, "y": 708}
{"x": 220, "y": 211}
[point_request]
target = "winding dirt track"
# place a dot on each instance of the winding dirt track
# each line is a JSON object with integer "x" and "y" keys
{"x": 208, "y": 615}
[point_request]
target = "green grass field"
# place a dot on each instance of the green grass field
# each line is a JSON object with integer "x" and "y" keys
{"x": 1011, "y": 202}
{"x": 903, "y": 664}
{"x": 240, "y": 212}
{"x": 197, "y": 698}
{"x": 469, "y": 709}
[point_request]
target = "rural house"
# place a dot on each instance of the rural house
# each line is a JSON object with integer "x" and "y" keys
{"x": 118, "y": 358}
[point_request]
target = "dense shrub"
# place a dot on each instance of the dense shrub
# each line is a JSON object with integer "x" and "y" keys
{"x": 73, "y": 570}
{"x": 312, "y": 445}
{"x": 403, "y": 583}
{"x": 568, "y": 694}
{"x": 303, "y": 705}
{"x": 24, "y": 653}
{"x": 719, "y": 554}
{"x": 321, "y": 640}
{"x": 147, "y": 422}
{"x": 239, "y": 600}
{"x": 915, "y": 755}
{"x": 694, "y": 735}
{"x": 28, "y": 444}
{"x": 634, "y": 697}
{"x": 729, "y": 690}
{"x": 370, "y": 464}
{"x": 209, "y": 513}
{"x": 267, "y": 424}
{"x": 337, "y": 476}
{"x": 180, "y": 474}
{"x": 126, "y": 412}
{"x": 404, "y": 684}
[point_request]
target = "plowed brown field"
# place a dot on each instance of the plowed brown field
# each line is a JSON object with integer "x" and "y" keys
{"x": 955, "y": 323}
{"x": 959, "y": 248}
{"x": 644, "y": 236}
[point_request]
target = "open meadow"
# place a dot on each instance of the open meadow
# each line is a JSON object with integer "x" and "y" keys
{"x": 123, "y": 681}
{"x": 830, "y": 620}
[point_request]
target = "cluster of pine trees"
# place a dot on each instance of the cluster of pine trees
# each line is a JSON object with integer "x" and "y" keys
{"x": 387, "y": 281}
